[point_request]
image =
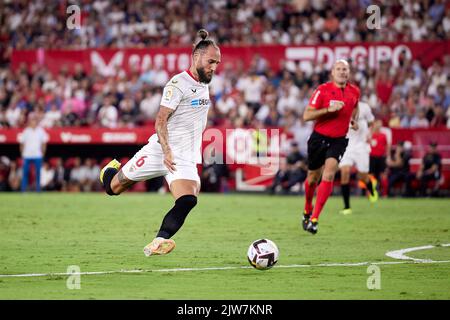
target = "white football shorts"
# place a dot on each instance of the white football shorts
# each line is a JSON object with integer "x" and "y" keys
{"x": 360, "y": 157}
{"x": 148, "y": 163}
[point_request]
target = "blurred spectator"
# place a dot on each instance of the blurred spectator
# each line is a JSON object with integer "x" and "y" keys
{"x": 438, "y": 120}
{"x": 430, "y": 170}
{"x": 281, "y": 180}
{"x": 52, "y": 118}
{"x": 33, "y": 144}
{"x": 58, "y": 179}
{"x": 15, "y": 176}
{"x": 69, "y": 118}
{"x": 47, "y": 177}
{"x": 442, "y": 97}
{"x": 108, "y": 114}
{"x": 298, "y": 167}
{"x": 291, "y": 174}
{"x": 160, "y": 77}
{"x": 214, "y": 174}
{"x": 76, "y": 176}
{"x": 252, "y": 86}
{"x": 399, "y": 170}
{"x": 88, "y": 176}
{"x": 13, "y": 114}
{"x": 128, "y": 112}
{"x": 4, "y": 173}
{"x": 420, "y": 120}
{"x": 149, "y": 106}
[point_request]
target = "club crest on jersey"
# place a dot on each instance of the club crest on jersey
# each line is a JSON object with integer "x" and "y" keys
{"x": 196, "y": 103}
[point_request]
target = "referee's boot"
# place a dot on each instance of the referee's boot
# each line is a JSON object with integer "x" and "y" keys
{"x": 312, "y": 226}
{"x": 112, "y": 164}
{"x": 305, "y": 219}
{"x": 159, "y": 246}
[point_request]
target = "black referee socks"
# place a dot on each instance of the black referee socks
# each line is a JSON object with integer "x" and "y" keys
{"x": 174, "y": 219}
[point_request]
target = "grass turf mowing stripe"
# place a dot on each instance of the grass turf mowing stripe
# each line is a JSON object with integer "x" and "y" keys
{"x": 355, "y": 264}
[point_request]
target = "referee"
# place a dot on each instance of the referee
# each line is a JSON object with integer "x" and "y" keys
{"x": 334, "y": 108}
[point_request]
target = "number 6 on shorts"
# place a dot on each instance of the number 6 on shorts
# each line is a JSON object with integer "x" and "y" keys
{"x": 141, "y": 161}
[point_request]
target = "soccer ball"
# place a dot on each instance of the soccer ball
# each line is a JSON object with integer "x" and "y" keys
{"x": 262, "y": 254}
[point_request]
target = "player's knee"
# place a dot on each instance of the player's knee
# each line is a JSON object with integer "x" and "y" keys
{"x": 328, "y": 176}
{"x": 313, "y": 178}
{"x": 187, "y": 201}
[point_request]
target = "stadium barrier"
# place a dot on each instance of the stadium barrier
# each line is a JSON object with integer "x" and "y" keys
{"x": 252, "y": 164}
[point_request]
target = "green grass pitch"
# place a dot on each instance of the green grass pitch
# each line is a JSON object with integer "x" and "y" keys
{"x": 46, "y": 233}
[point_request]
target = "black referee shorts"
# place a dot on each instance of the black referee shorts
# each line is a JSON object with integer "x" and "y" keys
{"x": 321, "y": 147}
{"x": 377, "y": 165}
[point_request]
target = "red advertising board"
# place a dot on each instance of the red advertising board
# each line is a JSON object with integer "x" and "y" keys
{"x": 110, "y": 61}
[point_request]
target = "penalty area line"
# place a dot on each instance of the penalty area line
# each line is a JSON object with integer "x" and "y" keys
{"x": 355, "y": 264}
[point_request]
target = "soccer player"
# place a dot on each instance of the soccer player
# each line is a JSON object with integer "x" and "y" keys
{"x": 358, "y": 154}
{"x": 175, "y": 149}
{"x": 333, "y": 106}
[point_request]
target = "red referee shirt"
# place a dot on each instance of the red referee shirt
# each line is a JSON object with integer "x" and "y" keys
{"x": 334, "y": 124}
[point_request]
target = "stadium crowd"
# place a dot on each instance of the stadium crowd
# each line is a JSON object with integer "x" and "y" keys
{"x": 42, "y": 24}
{"x": 408, "y": 96}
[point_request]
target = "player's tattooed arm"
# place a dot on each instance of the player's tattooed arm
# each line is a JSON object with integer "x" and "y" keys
{"x": 161, "y": 127}
{"x": 163, "y": 136}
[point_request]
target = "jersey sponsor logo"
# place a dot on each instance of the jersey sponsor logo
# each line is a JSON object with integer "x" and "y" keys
{"x": 199, "y": 102}
{"x": 194, "y": 90}
{"x": 334, "y": 102}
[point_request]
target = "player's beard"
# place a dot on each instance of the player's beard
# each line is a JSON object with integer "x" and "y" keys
{"x": 203, "y": 77}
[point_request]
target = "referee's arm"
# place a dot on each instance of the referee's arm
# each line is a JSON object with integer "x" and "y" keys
{"x": 312, "y": 113}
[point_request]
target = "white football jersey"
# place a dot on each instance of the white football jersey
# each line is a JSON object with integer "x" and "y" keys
{"x": 190, "y": 100}
{"x": 358, "y": 138}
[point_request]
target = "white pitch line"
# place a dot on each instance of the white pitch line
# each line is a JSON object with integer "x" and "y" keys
{"x": 400, "y": 254}
{"x": 356, "y": 264}
{"x": 396, "y": 254}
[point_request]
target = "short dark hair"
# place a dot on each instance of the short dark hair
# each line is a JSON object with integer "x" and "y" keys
{"x": 203, "y": 43}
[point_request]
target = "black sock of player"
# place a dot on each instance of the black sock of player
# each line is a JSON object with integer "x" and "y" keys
{"x": 346, "y": 195}
{"x": 174, "y": 219}
{"x": 107, "y": 177}
{"x": 369, "y": 186}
